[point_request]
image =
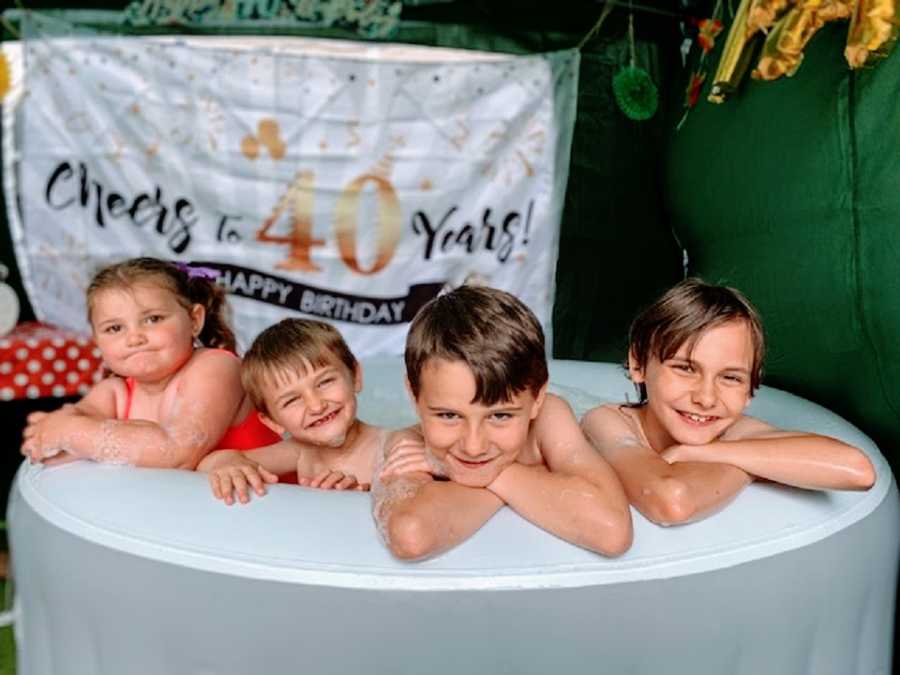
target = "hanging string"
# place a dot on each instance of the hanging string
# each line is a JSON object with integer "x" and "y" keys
{"x": 631, "y": 35}
{"x": 607, "y": 8}
{"x": 7, "y": 24}
{"x": 9, "y": 27}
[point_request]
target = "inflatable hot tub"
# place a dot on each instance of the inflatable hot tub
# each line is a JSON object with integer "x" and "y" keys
{"x": 123, "y": 571}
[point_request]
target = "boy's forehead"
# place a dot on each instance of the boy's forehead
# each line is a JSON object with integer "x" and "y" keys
{"x": 436, "y": 369}
{"x": 301, "y": 368}
{"x": 732, "y": 340}
{"x": 444, "y": 381}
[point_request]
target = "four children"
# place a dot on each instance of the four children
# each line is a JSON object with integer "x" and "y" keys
{"x": 489, "y": 433}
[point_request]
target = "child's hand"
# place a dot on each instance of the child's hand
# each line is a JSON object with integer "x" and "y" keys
{"x": 39, "y": 441}
{"x": 333, "y": 480}
{"x": 677, "y": 453}
{"x": 236, "y": 476}
{"x": 408, "y": 455}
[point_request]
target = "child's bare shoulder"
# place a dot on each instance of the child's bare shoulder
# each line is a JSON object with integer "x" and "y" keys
{"x": 613, "y": 423}
{"x": 555, "y": 407}
{"x": 554, "y": 419}
{"x": 207, "y": 359}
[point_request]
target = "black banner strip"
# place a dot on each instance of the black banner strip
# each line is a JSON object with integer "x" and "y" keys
{"x": 319, "y": 302}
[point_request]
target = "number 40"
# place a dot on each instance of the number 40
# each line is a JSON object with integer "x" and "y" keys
{"x": 299, "y": 200}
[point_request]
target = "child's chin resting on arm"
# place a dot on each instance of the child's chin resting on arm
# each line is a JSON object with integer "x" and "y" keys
{"x": 490, "y": 435}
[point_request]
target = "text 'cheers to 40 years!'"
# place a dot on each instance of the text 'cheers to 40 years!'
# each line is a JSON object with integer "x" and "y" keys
{"x": 174, "y": 219}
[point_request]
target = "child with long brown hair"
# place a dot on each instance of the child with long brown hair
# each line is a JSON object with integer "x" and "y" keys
{"x": 174, "y": 392}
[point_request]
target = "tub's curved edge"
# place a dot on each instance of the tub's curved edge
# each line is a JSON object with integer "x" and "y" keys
{"x": 413, "y": 578}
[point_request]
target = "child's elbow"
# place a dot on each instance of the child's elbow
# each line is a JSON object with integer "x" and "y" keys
{"x": 190, "y": 459}
{"x": 862, "y": 473}
{"x": 614, "y": 537}
{"x": 669, "y": 503}
{"x": 409, "y": 537}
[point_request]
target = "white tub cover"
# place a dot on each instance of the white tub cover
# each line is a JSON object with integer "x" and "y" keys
{"x": 123, "y": 570}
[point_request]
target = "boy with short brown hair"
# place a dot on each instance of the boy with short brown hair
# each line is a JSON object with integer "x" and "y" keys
{"x": 489, "y": 436}
{"x": 687, "y": 448}
{"x": 303, "y": 380}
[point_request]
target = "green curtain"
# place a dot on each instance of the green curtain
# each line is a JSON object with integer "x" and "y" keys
{"x": 789, "y": 191}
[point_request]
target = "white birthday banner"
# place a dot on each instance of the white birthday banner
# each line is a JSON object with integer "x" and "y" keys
{"x": 340, "y": 180}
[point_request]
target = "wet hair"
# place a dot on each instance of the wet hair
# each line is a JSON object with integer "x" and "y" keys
{"x": 491, "y": 331}
{"x": 291, "y": 346}
{"x": 188, "y": 291}
{"x": 683, "y": 314}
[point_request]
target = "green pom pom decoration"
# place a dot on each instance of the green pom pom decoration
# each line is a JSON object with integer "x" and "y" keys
{"x": 635, "y": 93}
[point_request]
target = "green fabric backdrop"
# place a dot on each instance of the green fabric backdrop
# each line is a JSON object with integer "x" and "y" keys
{"x": 790, "y": 192}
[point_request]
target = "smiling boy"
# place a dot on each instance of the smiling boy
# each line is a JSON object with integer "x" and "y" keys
{"x": 687, "y": 448}
{"x": 490, "y": 436}
{"x": 303, "y": 380}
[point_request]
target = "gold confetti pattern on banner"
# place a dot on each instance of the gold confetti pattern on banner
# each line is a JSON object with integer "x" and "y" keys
{"x": 514, "y": 162}
{"x": 215, "y": 120}
{"x": 78, "y": 122}
{"x": 268, "y": 136}
{"x": 873, "y": 31}
{"x": 461, "y": 136}
{"x": 783, "y": 50}
{"x": 118, "y": 148}
{"x": 355, "y": 138}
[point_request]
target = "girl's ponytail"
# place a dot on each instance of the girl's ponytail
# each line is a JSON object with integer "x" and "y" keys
{"x": 216, "y": 330}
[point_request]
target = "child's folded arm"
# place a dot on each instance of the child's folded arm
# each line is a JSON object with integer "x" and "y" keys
{"x": 577, "y": 496}
{"x": 420, "y": 517}
{"x": 417, "y": 516}
{"x": 666, "y": 494}
{"x": 800, "y": 459}
{"x": 179, "y": 440}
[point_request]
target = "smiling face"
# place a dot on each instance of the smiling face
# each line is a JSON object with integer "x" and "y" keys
{"x": 143, "y": 331}
{"x": 474, "y": 442}
{"x": 316, "y": 404}
{"x": 695, "y": 395}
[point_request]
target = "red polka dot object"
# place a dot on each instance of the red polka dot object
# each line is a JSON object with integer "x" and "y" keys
{"x": 38, "y": 360}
